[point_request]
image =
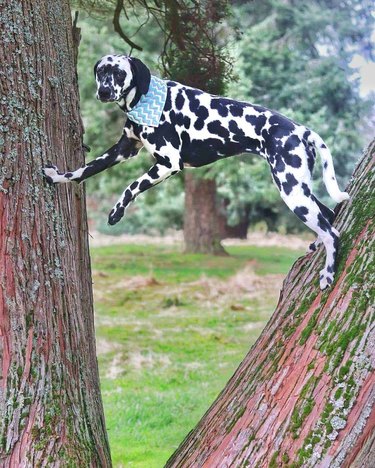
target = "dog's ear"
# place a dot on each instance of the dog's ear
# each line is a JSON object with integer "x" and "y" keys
{"x": 141, "y": 75}
{"x": 96, "y": 67}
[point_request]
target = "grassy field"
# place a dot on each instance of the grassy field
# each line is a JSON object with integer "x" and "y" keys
{"x": 171, "y": 330}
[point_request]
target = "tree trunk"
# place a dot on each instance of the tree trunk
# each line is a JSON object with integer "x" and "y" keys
{"x": 50, "y": 405}
{"x": 192, "y": 55}
{"x": 202, "y": 224}
{"x": 304, "y": 395}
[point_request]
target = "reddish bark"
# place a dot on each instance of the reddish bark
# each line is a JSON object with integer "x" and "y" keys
{"x": 202, "y": 222}
{"x": 305, "y": 393}
{"x": 50, "y": 405}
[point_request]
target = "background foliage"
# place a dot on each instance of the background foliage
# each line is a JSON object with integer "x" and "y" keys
{"x": 291, "y": 58}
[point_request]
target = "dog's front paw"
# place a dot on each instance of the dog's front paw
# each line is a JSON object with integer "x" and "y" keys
{"x": 116, "y": 214}
{"x": 52, "y": 175}
{"x": 325, "y": 279}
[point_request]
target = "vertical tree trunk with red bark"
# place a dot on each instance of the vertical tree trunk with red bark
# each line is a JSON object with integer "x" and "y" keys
{"x": 50, "y": 405}
{"x": 305, "y": 393}
{"x": 202, "y": 223}
{"x": 192, "y": 55}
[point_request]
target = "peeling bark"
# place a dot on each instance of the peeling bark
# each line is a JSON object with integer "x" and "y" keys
{"x": 305, "y": 393}
{"x": 50, "y": 405}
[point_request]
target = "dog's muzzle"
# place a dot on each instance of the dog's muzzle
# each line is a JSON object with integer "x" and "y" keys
{"x": 105, "y": 94}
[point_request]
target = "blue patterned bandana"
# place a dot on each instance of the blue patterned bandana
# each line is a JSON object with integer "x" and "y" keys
{"x": 149, "y": 108}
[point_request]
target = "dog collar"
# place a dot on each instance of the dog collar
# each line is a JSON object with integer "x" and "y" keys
{"x": 149, "y": 108}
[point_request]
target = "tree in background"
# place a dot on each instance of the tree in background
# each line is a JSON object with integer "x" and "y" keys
{"x": 50, "y": 405}
{"x": 193, "y": 55}
{"x": 305, "y": 393}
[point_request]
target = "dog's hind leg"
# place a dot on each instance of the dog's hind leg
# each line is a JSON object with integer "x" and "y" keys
{"x": 328, "y": 214}
{"x": 124, "y": 149}
{"x": 310, "y": 212}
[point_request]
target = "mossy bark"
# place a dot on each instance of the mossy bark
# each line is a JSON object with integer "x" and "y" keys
{"x": 50, "y": 405}
{"x": 305, "y": 393}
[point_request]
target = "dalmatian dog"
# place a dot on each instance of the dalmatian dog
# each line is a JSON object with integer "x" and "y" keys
{"x": 182, "y": 127}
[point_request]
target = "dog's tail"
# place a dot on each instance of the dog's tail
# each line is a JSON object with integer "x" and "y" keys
{"x": 329, "y": 177}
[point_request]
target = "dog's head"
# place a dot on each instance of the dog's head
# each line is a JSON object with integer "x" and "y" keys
{"x": 120, "y": 77}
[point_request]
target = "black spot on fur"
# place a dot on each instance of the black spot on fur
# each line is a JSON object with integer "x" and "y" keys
{"x": 311, "y": 155}
{"x": 163, "y": 133}
{"x": 127, "y": 197}
{"x": 306, "y": 135}
{"x": 257, "y": 121}
{"x": 280, "y": 165}
{"x": 327, "y": 212}
{"x": 292, "y": 143}
{"x": 144, "y": 185}
{"x": 216, "y": 128}
{"x": 180, "y": 120}
{"x": 163, "y": 160}
{"x": 306, "y": 189}
{"x": 180, "y": 100}
{"x": 292, "y": 160}
{"x": 187, "y": 121}
{"x": 236, "y": 110}
{"x": 202, "y": 112}
{"x": 134, "y": 185}
{"x": 220, "y": 105}
{"x": 153, "y": 172}
{"x": 277, "y": 180}
{"x": 168, "y": 103}
{"x": 238, "y": 134}
{"x": 289, "y": 183}
{"x": 323, "y": 223}
{"x": 301, "y": 212}
{"x": 199, "y": 124}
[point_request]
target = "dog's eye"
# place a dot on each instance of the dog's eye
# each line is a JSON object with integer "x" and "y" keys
{"x": 119, "y": 75}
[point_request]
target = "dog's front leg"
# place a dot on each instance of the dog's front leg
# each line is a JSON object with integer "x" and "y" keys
{"x": 154, "y": 176}
{"x": 124, "y": 149}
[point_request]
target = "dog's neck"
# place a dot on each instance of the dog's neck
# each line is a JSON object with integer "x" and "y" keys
{"x": 129, "y": 98}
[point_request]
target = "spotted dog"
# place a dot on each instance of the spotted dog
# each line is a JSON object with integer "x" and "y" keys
{"x": 182, "y": 126}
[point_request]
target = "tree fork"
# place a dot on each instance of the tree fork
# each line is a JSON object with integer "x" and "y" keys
{"x": 50, "y": 405}
{"x": 304, "y": 395}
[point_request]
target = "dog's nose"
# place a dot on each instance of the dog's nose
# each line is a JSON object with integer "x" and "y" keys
{"x": 104, "y": 93}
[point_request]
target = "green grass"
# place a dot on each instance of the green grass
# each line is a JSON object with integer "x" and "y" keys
{"x": 171, "y": 330}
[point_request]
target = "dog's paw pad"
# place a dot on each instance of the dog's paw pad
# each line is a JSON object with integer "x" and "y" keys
{"x": 115, "y": 215}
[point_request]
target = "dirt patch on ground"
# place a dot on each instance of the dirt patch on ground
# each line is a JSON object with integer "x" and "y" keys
{"x": 245, "y": 281}
{"x": 260, "y": 239}
{"x": 136, "y": 282}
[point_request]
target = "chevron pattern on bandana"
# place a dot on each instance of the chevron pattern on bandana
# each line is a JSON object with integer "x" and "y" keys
{"x": 150, "y": 107}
